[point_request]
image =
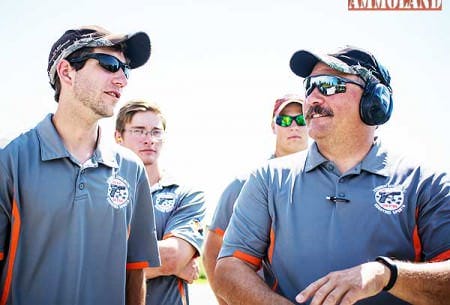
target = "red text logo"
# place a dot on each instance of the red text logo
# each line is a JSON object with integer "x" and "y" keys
{"x": 394, "y": 5}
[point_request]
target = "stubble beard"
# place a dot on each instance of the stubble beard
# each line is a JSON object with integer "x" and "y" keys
{"x": 91, "y": 98}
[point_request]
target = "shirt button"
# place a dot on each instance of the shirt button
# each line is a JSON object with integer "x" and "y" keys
{"x": 81, "y": 186}
{"x": 330, "y": 167}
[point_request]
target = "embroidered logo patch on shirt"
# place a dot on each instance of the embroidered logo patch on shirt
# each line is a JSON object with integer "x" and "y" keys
{"x": 118, "y": 192}
{"x": 165, "y": 202}
{"x": 389, "y": 199}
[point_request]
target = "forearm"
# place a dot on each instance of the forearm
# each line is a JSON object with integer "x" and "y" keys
{"x": 175, "y": 254}
{"x": 210, "y": 265}
{"x": 238, "y": 284}
{"x": 425, "y": 283}
{"x": 153, "y": 272}
{"x": 211, "y": 250}
{"x": 213, "y": 242}
{"x": 135, "y": 287}
{"x": 209, "y": 262}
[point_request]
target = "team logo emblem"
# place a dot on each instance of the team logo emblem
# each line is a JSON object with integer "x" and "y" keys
{"x": 118, "y": 192}
{"x": 389, "y": 199}
{"x": 165, "y": 202}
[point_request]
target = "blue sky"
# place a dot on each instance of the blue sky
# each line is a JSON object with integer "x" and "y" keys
{"x": 217, "y": 67}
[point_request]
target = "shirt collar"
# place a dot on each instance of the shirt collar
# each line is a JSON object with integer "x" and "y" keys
{"x": 104, "y": 153}
{"x": 165, "y": 181}
{"x": 50, "y": 142}
{"x": 314, "y": 158}
{"x": 52, "y": 146}
{"x": 376, "y": 161}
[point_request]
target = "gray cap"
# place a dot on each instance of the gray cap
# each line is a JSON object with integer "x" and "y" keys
{"x": 137, "y": 46}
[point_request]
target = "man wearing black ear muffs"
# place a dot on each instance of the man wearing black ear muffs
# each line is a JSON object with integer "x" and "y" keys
{"x": 349, "y": 221}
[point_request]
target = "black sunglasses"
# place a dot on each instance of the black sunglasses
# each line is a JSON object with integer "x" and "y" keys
{"x": 106, "y": 61}
{"x": 327, "y": 84}
{"x": 286, "y": 120}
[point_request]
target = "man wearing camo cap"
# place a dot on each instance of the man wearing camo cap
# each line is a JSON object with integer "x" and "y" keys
{"x": 76, "y": 226}
{"x": 348, "y": 222}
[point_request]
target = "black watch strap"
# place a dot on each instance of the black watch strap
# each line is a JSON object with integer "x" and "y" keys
{"x": 392, "y": 267}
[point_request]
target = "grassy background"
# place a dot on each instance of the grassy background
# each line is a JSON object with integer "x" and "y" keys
{"x": 202, "y": 276}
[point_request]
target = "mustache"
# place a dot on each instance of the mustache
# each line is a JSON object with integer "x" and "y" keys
{"x": 317, "y": 109}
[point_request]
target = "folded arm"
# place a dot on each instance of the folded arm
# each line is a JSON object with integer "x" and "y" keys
{"x": 238, "y": 283}
{"x": 177, "y": 258}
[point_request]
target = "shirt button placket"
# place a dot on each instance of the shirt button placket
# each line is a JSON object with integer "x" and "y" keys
{"x": 340, "y": 188}
{"x": 80, "y": 183}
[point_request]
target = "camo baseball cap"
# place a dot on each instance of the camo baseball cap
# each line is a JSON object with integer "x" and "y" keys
{"x": 346, "y": 60}
{"x": 137, "y": 46}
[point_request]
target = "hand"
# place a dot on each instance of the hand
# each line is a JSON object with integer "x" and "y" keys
{"x": 190, "y": 272}
{"x": 347, "y": 286}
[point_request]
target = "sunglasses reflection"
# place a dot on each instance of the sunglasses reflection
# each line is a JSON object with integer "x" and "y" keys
{"x": 327, "y": 84}
{"x": 286, "y": 120}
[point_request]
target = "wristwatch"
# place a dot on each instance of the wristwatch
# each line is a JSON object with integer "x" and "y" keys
{"x": 392, "y": 267}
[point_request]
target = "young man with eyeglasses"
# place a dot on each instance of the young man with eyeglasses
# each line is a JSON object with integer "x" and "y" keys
{"x": 348, "y": 222}
{"x": 179, "y": 209}
{"x": 76, "y": 226}
{"x": 288, "y": 125}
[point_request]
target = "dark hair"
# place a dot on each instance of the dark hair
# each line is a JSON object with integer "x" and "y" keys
{"x": 78, "y": 65}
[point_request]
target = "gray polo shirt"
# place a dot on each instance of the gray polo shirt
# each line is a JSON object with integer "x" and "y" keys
{"x": 68, "y": 231}
{"x": 282, "y": 216}
{"x": 225, "y": 205}
{"x": 179, "y": 212}
{"x": 224, "y": 208}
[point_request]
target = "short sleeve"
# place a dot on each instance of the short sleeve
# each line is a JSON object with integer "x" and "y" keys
{"x": 6, "y": 198}
{"x": 186, "y": 221}
{"x": 225, "y": 205}
{"x": 142, "y": 242}
{"x": 433, "y": 219}
{"x": 247, "y": 236}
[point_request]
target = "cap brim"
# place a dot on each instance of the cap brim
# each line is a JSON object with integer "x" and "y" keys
{"x": 138, "y": 49}
{"x": 137, "y": 46}
{"x": 302, "y": 63}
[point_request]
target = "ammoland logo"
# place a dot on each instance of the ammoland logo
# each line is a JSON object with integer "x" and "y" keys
{"x": 395, "y": 5}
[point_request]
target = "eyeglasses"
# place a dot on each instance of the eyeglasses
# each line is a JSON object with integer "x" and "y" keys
{"x": 286, "y": 120}
{"x": 106, "y": 61}
{"x": 156, "y": 133}
{"x": 327, "y": 84}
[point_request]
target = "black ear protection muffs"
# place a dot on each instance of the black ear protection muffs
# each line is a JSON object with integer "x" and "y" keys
{"x": 376, "y": 103}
